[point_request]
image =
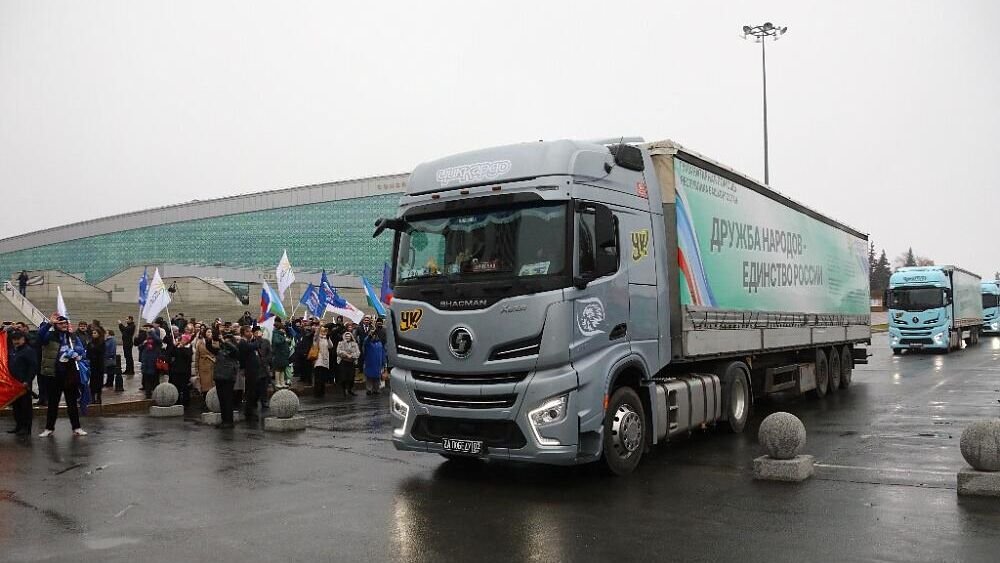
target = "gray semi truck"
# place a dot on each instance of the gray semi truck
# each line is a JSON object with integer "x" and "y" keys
{"x": 566, "y": 302}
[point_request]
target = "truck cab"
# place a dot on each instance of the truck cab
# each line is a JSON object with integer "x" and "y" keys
{"x": 522, "y": 275}
{"x": 991, "y": 306}
{"x": 930, "y": 308}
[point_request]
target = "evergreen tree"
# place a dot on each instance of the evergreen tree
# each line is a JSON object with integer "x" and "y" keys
{"x": 909, "y": 259}
{"x": 871, "y": 266}
{"x": 882, "y": 272}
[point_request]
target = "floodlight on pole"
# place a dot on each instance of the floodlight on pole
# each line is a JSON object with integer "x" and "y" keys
{"x": 760, "y": 34}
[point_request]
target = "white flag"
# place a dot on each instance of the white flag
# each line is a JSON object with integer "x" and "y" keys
{"x": 349, "y": 311}
{"x": 60, "y": 304}
{"x": 157, "y": 298}
{"x": 284, "y": 273}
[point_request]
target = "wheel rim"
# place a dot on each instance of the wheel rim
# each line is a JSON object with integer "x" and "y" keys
{"x": 626, "y": 430}
{"x": 739, "y": 399}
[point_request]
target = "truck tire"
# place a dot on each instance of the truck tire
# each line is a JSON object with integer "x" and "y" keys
{"x": 846, "y": 366}
{"x": 897, "y": 351}
{"x": 625, "y": 430}
{"x": 822, "y": 375}
{"x": 737, "y": 397}
{"x": 833, "y": 358}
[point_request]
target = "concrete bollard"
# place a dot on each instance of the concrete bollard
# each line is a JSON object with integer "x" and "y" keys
{"x": 980, "y": 444}
{"x": 164, "y": 401}
{"x": 284, "y": 406}
{"x": 214, "y": 414}
{"x": 782, "y": 435}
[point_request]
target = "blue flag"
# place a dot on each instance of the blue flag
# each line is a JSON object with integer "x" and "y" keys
{"x": 328, "y": 294}
{"x": 373, "y": 300}
{"x": 307, "y": 296}
{"x": 312, "y": 302}
{"x": 386, "y": 291}
{"x": 143, "y": 287}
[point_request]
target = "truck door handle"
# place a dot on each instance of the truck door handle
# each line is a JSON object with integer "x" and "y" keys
{"x": 619, "y": 331}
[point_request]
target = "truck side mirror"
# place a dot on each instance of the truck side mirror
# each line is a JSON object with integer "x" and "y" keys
{"x": 947, "y": 296}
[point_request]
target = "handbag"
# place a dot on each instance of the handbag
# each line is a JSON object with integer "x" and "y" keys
{"x": 313, "y": 354}
{"x": 162, "y": 366}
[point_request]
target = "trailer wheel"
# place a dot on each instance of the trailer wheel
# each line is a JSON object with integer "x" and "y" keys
{"x": 834, "y": 369}
{"x": 737, "y": 396}
{"x": 846, "y": 367}
{"x": 624, "y": 431}
{"x": 822, "y": 375}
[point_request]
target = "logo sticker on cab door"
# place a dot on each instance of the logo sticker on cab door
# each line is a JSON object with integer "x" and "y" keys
{"x": 410, "y": 320}
{"x": 640, "y": 244}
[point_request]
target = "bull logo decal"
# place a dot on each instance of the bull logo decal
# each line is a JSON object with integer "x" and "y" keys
{"x": 410, "y": 320}
{"x": 640, "y": 244}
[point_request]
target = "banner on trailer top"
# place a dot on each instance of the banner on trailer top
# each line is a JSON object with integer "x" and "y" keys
{"x": 738, "y": 249}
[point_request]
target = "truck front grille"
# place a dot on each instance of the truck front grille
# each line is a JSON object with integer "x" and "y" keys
{"x": 467, "y": 401}
{"x": 916, "y": 341}
{"x": 470, "y": 378}
{"x": 493, "y": 433}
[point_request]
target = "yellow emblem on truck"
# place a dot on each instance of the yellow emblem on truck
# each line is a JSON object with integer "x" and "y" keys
{"x": 640, "y": 244}
{"x": 410, "y": 320}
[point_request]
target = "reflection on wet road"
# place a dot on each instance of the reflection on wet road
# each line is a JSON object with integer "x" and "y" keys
{"x": 169, "y": 490}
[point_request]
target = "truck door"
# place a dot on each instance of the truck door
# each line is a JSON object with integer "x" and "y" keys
{"x": 601, "y": 295}
{"x": 639, "y": 258}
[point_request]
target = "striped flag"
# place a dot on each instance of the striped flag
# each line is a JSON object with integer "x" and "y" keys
{"x": 373, "y": 300}
{"x": 270, "y": 304}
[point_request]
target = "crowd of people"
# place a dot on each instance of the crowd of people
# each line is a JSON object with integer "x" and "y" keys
{"x": 234, "y": 357}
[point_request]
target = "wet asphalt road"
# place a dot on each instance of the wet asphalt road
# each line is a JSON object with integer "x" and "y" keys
{"x": 141, "y": 489}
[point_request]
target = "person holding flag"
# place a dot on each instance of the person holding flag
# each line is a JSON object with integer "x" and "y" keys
{"x": 16, "y": 374}
{"x": 62, "y": 356}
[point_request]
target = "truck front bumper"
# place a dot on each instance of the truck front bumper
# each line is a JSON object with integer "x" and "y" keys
{"x": 507, "y": 433}
{"x": 929, "y": 338}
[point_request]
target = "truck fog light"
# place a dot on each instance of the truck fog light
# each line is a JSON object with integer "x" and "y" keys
{"x": 895, "y": 340}
{"x": 401, "y": 410}
{"x": 549, "y": 412}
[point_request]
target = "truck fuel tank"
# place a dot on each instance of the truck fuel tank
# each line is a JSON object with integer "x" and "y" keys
{"x": 686, "y": 402}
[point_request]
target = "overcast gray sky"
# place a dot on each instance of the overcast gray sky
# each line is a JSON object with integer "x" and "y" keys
{"x": 883, "y": 114}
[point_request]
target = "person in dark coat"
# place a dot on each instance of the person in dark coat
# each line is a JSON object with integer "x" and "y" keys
{"x": 149, "y": 351}
{"x": 110, "y": 359}
{"x": 301, "y": 366}
{"x": 95, "y": 354}
{"x": 181, "y": 357}
{"x": 22, "y": 366}
{"x": 224, "y": 377}
{"x": 127, "y": 330}
{"x": 22, "y": 283}
{"x": 250, "y": 364}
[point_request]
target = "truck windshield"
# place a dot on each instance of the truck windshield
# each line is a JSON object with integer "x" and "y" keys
{"x": 916, "y": 299}
{"x": 990, "y": 300}
{"x": 519, "y": 242}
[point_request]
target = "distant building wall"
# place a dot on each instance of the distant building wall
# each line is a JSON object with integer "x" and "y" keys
{"x": 327, "y": 226}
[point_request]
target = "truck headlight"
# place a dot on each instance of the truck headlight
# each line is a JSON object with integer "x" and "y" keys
{"x": 995, "y": 325}
{"x": 895, "y": 340}
{"x": 939, "y": 338}
{"x": 401, "y": 410}
{"x": 549, "y": 412}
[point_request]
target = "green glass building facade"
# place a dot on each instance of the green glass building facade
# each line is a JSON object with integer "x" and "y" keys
{"x": 334, "y": 235}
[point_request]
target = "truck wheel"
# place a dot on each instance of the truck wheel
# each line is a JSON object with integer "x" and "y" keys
{"x": 624, "y": 431}
{"x": 736, "y": 395}
{"x": 834, "y": 368}
{"x": 822, "y": 375}
{"x": 897, "y": 351}
{"x": 846, "y": 367}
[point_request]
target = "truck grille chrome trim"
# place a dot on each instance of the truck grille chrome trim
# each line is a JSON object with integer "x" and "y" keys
{"x": 467, "y": 401}
{"x": 517, "y": 349}
{"x": 470, "y": 378}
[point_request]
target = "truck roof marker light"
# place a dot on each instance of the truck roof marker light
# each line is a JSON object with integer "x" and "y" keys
{"x": 495, "y": 188}
{"x": 464, "y": 192}
{"x": 435, "y": 196}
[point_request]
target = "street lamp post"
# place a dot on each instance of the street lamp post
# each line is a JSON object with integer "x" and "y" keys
{"x": 760, "y": 34}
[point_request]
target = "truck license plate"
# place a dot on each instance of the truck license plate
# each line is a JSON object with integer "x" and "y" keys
{"x": 469, "y": 447}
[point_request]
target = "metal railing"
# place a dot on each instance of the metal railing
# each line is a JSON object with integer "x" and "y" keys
{"x": 22, "y": 304}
